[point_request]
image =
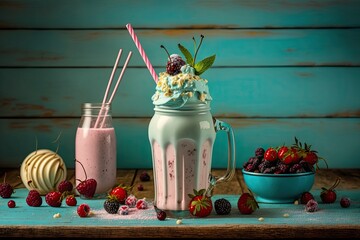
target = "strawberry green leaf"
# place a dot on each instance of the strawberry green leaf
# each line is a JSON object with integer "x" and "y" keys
{"x": 203, "y": 65}
{"x": 187, "y": 54}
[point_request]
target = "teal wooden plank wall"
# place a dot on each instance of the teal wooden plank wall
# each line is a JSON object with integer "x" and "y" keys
{"x": 283, "y": 69}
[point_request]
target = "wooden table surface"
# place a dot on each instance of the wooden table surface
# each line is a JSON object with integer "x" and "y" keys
{"x": 233, "y": 226}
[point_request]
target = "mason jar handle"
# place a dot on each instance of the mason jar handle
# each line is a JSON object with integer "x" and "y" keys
{"x": 223, "y": 126}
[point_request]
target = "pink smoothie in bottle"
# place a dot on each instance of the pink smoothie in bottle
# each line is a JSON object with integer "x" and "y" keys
{"x": 95, "y": 148}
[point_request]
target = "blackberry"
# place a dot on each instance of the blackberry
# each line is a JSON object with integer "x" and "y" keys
{"x": 111, "y": 205}
{"x": 264, "y": 165}
{"x": 296, "y": 168}
{"x": 144, "y": 177}
{"x": 259, "y": 152}
{"x": 281, "y": 168}
{"x": 174, "y": 63}
{"x": 270, "y": 169}
{"x": 222, "y": 206}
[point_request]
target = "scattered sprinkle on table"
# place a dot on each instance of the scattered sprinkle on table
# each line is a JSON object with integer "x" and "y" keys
{"x": 179, "y": 221}
{"x": 57, "y": 215}
{"x": 261, "y": 219}
{"x": 286, "y": 215}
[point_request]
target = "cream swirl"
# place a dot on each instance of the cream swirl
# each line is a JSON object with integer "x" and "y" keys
{"x": 175, "y": 91}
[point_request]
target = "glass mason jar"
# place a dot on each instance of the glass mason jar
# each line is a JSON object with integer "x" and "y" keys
{"x": 182, "y": 142}
{"x": 95, "y": 147}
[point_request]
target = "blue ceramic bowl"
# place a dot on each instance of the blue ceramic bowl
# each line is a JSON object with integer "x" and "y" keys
{"x": 278, "y": 188}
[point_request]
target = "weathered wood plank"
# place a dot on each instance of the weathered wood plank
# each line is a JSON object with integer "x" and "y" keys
{"x": 256, "y": 47}
{"x": 336, "y": 140}
{"x": 236, "y": 14}
{"x": 236, "y": 92}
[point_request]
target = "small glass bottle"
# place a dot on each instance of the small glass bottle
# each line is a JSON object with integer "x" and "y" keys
{"x": 95, "y": 148}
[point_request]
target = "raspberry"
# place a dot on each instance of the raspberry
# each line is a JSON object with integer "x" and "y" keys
{"x": 71, "y": 200}
{"x": 83, "y": 210}
{"x": 140, "y": 187}
{"x": 53, "y": 199}
{"x": 345, "y": 202}
{"x": 65, "y": 186}
{"x": 306, "y": 197}
{"x": 131, "y": 201}
{"x": 11, "y": 204}
{"x": 311, "y": 206}
{"x": 34, "y": 199}
{"x": 124, "y": 210}
{"x": 144, "y": 177}
{"x": 6, "y": 190}
{"x": 161, "y": 215}
{"x": 141, "y": 204}
{"x": 222, "y": 206}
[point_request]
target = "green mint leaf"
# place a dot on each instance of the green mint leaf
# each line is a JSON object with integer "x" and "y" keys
{"x": 187, "y": 54}
{"x": 203, "y": 65}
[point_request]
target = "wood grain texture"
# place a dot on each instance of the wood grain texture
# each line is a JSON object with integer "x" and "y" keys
{"x": 236, "y": 92}
{"x": 18, "y": 139}
{"x": 284, "y": 68}
{"x": 233, "y": 47}
{"x": 239, "y": 14}
{"x": 241, "y": 231}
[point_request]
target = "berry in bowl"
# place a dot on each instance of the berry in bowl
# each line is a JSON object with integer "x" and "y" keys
{"x": 281, "y": 174}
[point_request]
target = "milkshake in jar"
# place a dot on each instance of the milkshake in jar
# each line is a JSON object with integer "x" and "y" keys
{"x": 182, "y": 132}
{"x": 95, "y": 148}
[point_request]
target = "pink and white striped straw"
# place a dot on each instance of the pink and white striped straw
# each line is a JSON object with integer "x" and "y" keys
{"x": 142, "y": 52}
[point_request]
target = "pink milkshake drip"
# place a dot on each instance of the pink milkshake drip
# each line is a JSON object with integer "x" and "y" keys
{"x": 178, "y": 173}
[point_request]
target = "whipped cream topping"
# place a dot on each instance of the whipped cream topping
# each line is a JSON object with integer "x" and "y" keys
{"x": 175, "y": 91}
{"x": 43, "y": 170}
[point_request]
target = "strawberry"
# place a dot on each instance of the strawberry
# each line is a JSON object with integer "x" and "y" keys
{"x": 329, "y": 195}
{"x": 247, "y": 203}
{"x": 54, "y": 199}
{"x": 288, "y": 155}
{"x": 87, "y": 187}
{"x": 308, "y": 155}
{"x": 71, "y": 200}
{"x": 200, "y": 205}
{"x": 270, "y": 154}
{"x": 83, "y": 210}
{"x": 305, "y": 197}
{"x": 120, "y": 193}
{"x": 6, "y": 190}
{"x": 34, "y": 199}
